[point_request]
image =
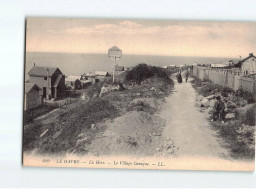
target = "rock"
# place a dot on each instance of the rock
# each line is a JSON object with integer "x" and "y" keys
{"x": 93, "y": 126}
{"x": 230, "y": 116}
{"x": 109, "y": 88}
{"x": 212, "y": 102}
{"x": 199, "y": 98}
{"x": 210, "y": 97}
{"x": 146, "y": 101}
{"x": 152, "y": 89}
{"x": 205, "y": 102}
{"x": 138, "y": 94}
{"x": 161, "y": 93}
{"x": 198, "y": 104}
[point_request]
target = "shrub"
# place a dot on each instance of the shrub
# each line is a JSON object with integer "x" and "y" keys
{"x": 142, "y": 72}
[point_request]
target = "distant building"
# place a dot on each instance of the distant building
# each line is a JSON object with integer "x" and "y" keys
{"x": 247, "y": 65}
{"x": 49, "y": 79}
{"x": 88, "y": 77}
{"x": 119, "y": 69}
{"x": 73, "y": 82}
{"x": 85, "y": 83}
{"x": 101, "y": 75}
{"x": 33, "y": 96}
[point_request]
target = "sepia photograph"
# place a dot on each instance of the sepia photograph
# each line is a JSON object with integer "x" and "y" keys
{"x": 139, "y": 94}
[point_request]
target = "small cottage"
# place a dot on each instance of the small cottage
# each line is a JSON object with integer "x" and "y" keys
{"x": 49, "y": 79}
{"x": 32, "y": 96}
{"x": 88, "y": 77}
{"x": 73, "y": 82}
{"x": 101, "y": 75}
{"x": 248, "y": 65}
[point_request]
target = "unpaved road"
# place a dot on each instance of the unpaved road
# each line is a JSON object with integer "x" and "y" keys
{"x": 188, "y": 127}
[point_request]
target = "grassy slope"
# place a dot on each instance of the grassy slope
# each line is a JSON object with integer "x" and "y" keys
{"x": 60, "y": 131}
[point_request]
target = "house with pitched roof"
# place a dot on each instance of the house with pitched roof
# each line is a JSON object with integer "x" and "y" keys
{"x": 73, "y": 82}
{"x": 101, "y": 75}
{"x": 32, "y": 96}
{"x": 50, "y": 79}
{"x": 248, "y": 65}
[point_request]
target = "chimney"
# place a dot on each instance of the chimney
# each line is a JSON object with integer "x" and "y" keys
{"x": 34, "y": 64}
{"x": 250, "y": 54}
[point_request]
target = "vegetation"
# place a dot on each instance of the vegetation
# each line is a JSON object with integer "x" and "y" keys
{"x": 241, "y": 103}
{"x": 60, "y": 132}
{"x": 142, "y": 72}
{"x": 67, "y": 127}
{"x": 31, "y": 114}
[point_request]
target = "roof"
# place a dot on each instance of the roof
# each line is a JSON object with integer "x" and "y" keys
{"x": 119, "y": 68}
{"x": 85, "y": 81}
{"x": 41, "y": 71}
{"x": 30, "y": 86}
{"x": 90, "y": 74}
{"x": 72, "y": 78}
{"x": 241, "y": 61}
{"x": 250, "y": 56}
{"x": 56, "y": 83}
{"x": 219, "y": 65}
{"x": 101, "y": 73}
{"x": 115, "y": 48}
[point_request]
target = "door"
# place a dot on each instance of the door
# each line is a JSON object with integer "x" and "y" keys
{"x": 44, "y": 92}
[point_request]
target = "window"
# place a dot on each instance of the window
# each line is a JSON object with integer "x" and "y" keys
{"x": 45, "y": 78}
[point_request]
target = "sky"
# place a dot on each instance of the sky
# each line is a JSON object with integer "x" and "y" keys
{"x": 141, "y": 37}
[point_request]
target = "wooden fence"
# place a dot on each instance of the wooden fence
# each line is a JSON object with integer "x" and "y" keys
{"x": 226, "y": 79}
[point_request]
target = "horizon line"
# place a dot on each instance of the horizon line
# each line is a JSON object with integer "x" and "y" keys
{"x": 131, "y": 54}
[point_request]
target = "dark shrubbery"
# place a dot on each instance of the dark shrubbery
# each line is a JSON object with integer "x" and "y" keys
{"x": 142, "y": 72}
{"x": 246, "y": 95}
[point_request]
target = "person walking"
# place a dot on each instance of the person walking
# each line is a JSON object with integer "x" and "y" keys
{"x": 219, "y": 110}
{"x": 186, "y": 75}
{"x": 179, "y": 77}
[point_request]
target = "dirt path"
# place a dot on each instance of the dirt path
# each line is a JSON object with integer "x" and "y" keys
{"x": 188, "y": 127}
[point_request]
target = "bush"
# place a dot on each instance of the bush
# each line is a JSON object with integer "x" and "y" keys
{"x": 246, "y": 95}
{"x": 142, "y": 72}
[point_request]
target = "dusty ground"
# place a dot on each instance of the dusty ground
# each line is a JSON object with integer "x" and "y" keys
{"x": 188, "y": 127}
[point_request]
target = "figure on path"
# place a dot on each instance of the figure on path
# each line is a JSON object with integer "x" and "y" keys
{"x": 219, "y": 110}
{"x": 186, "y": 75}
{"x": 179, "y": 77}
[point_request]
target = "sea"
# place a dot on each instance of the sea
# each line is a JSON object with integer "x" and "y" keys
{"x": 79, "y": 63}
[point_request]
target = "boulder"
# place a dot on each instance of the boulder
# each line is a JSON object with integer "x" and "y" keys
{"x": 198, "y": 104}
{"x": 146, "y": 101}
{"x": 93, "y": 126}
{"x": 210, "y": 97}
{"x": 230, "y": 116}
{"x": 152, "y": 89}
{"x": 205, "y": 102}
{"x": 212, "y": 102}
{"x": 109, "y": 88}
{"x": 199, "y": 98}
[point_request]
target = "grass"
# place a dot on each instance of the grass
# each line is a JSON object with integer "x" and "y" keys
{"x": 63, "y": 132}
{"x": 31, "y": 114}
{"x": 238, "y": 147}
